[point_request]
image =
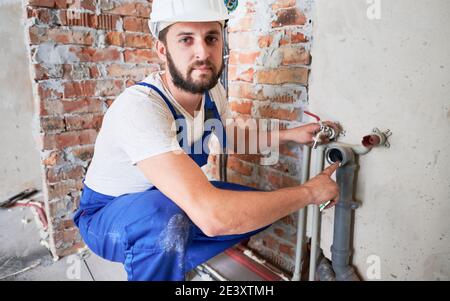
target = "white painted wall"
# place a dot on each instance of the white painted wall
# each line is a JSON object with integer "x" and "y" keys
{"x": 391, "y": 73}
{"x": 19, "y": 157}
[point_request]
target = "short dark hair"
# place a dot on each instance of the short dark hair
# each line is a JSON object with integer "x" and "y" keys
{"x": 163, "y": 35}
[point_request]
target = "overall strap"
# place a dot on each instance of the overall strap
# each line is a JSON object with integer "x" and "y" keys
{"x": 211, "y": 111}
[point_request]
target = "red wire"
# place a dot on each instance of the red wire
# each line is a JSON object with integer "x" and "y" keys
{"x": 39, "y": 210}
{"x": 312, "y": 115}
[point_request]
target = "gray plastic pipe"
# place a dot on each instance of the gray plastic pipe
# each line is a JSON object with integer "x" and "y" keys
{"x": 316, "y": 220}
{"x": 357, "y": 149}
{"x": 306, "y": 159}
{"x": 341, "y": 248}
{"x": 318, "y": 167}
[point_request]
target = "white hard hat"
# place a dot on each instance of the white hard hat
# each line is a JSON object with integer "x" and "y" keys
{"x": 167, "y": 12}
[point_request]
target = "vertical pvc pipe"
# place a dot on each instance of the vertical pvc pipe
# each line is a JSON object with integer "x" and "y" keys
{"x": 341, "y": 250}
{"x": 315, "y": 231}
{"x": 306, "y": 159}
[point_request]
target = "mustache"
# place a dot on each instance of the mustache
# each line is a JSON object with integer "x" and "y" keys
{"x": 204, "y": 63}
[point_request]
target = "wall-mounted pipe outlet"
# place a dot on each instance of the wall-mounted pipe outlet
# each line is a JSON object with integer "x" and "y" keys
{"x": 378, "y": 138}
{"x": 324, "y": 132}
{"x": 375, "y": 139}
{"x": 339, "y": 154}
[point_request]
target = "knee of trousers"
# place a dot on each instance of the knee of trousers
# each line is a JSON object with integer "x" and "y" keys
{"x": 158, "y": 224}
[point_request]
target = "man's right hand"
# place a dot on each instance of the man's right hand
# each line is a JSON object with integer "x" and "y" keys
{"x": 323, "y": 188}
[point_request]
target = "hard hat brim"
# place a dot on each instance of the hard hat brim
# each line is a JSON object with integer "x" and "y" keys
{"x": 208, "y": 16}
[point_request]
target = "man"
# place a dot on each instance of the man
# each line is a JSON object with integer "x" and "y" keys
{"x": 146, "y": 202}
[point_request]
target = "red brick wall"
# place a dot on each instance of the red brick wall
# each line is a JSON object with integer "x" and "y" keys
{"x": 268, "y": 75}
{"x": 83, "y": 54}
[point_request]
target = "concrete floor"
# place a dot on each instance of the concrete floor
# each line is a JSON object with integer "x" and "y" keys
{"x": 23, "y": 258}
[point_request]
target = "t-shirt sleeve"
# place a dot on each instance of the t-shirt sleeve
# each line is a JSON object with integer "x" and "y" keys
{"x": 147, "y": 129}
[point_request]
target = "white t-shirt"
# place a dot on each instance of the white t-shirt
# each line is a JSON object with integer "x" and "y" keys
{"x": 137, "y": 126}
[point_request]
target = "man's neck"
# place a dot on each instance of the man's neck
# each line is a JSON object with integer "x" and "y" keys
{"x": 189, "y": 101}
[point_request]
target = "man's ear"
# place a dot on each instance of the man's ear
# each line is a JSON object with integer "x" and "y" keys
{"x": 161, "y": 50}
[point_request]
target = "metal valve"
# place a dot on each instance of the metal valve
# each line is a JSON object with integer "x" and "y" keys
{"x": 325, "y": 132}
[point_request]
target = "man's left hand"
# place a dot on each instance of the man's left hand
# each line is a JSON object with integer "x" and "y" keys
{"x": 305, "y": 134}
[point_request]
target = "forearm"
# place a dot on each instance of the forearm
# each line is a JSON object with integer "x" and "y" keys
{"x": 237, "y": 212}
{"x": 217, "y": 211}
{"x": 285, "y": 136}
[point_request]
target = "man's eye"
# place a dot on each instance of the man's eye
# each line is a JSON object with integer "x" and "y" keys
{"x": 185, "y": 40}
{"x": 212, "y": 39}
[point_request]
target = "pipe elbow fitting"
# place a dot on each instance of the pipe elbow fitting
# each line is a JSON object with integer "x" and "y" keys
{"x": 377, "y": 138}
{"x": 336, "y": 154}
{"x": 372, "y": 140}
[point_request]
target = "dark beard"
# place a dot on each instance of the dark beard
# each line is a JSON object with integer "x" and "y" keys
{"x": 187, "y": 84}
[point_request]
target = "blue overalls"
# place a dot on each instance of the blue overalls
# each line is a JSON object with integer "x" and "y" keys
{"x": 146, "y": 231}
